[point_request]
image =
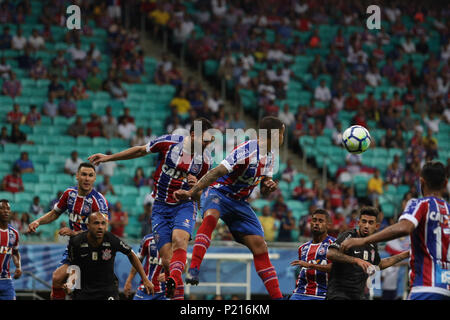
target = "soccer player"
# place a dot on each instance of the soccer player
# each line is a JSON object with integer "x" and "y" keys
{"x": 312, "y": 257}
{"x": 79, "y": 202}
{"x": 234, "y": 179}
{"x": 94, "y": 252}
{"x": 152, "y": 268}
{"x": 427, "y": 221}
{"x": 9, "y": 248}
{"x": 178, "y": 169}
{"x": 350, "y": 269}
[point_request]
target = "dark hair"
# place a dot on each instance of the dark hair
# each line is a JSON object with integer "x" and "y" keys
{"x": 369, "y": 211}
{"x": 4, "y": 200}
{"x": 434, "y": 174}
{"x": 268, "y": 123}
{"x": 322, "y": 211}
{"x": 206, "y": 124}
{"x": 85, "y": 165}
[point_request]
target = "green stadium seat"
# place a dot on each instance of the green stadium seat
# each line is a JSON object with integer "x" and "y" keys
{"x": 25, "y": 197}
{"x": 47, "y": 178}
{"x": 30, "y": 177}
{"x": 260, "y": 203}
{"x": 7, "y": 195}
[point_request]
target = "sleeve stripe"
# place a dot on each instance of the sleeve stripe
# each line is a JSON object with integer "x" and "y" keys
{"x": 410, "y": 218}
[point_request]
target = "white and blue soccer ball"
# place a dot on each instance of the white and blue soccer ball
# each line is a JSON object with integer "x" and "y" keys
{"x": 356, "y": 139}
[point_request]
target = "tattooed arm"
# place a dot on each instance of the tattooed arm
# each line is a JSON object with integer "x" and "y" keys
{"x": 388, "y": 262}
{"x": 203, "y": 183}
{"x": 335, "y": 255}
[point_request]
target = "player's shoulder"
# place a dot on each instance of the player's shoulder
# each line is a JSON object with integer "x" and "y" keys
{"x": 78, "y": 238}
{"x": 329, "y": 239}
{"x": 72, "y": 190}
{"x": 304, "y": 245}
{"x": 415, "y": 203}
{"x": 13, "y": 230}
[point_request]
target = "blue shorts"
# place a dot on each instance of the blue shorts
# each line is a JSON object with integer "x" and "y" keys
{"x": 7, "y": 290}
{"x": 427, "y": 296}
{"x": 299, "y": 296}
{"x": 238, "y": 215}
{"x": 166, "y": 218}
{"x": 65, "y": 259}
{"x": 141, "y": 295}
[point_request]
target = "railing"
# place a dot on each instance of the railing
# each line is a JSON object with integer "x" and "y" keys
{"x": 33, "y": 293}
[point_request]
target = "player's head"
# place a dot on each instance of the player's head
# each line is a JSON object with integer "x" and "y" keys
{"x": 320, "y": 220}
{"x": 5, "y": 211}
{"x": 86, "y": 176}
{"x": 272, "y": 123}
{"x": 97, "y": 225}
{"x": 368, "y": 221}
{"x": 433, "y": 177}
{"x": 204, "y": 125}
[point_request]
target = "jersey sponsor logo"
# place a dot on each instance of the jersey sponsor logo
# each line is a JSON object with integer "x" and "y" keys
{"x": 106, "y": 255}
{"x": 106, "y": 244}
{"x": 84, "y": 245}
{"x": 76, "y": 218}
{"x": 5, "y": 250}
{"x": 173, "y": 173}
{"x": 445, "y": 277}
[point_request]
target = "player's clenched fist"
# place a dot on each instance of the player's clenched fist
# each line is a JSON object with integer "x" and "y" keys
{"x": 180, "y": 195}
{"x": 97, "y": 158}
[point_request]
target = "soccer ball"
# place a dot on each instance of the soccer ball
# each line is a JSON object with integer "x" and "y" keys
{"x": 356, "y": 139}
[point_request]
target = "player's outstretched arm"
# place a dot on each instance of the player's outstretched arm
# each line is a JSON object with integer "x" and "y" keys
{"x": 397, "y": 230}
{"x": 130, "y": 153}
{"x": 390, "y": 261}
{"x": 319, "y": 267}
{"x": 136, "y": 263}
{"x": 203, "y": 183}
{"x": 45, "y": 219}
{"x": 336, "y": 256}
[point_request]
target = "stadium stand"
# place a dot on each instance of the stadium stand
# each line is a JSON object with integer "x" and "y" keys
{"x": 270, "y": 60}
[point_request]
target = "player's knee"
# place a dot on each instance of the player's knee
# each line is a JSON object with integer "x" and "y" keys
{"x": 259, "y": 246}
{"x": 58, "y": 277}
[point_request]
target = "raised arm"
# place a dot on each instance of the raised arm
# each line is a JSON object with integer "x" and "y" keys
{"x": 49, "y": 217}
{"x": 397, "y": 230}
{"x": 130, "y": 153}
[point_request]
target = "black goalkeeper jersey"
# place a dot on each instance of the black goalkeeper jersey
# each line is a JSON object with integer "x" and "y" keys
{"x": 348, "y": 281}
{"x": 96, "y": 264}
